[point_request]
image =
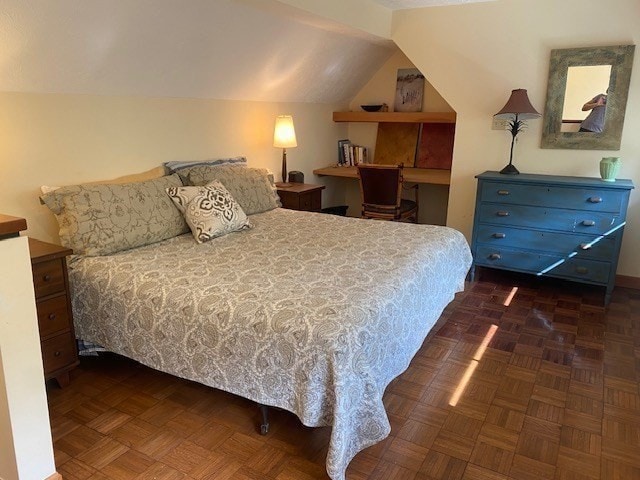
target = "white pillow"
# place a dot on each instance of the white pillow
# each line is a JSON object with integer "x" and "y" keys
{"x": 210, "y": 210}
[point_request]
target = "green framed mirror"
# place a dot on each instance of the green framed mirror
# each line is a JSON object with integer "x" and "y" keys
{"x": 587, "y": 97}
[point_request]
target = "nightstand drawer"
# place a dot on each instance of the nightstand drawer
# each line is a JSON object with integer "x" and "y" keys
{"x": 53, "y": 316}
{"x": 48, "y": 277}
{"x": 58, "y": 352}
{"x": 587, "y": 246}
{"x": 301, "y": 196}
{"x": 562, "y": 220}
{"x": 552, "y": 196}
{"x": 310, "y": 201}
{"x": 55, "y": 321}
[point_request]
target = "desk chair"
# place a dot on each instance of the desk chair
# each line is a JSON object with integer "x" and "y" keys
{"x": 381, "y": 190}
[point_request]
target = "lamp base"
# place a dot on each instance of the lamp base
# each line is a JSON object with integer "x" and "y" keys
{"x": 509, "y": 170}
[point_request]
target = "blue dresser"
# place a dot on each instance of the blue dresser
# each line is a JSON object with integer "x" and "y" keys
{"x": 548, "y": 225}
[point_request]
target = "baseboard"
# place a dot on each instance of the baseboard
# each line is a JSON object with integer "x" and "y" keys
{"x": 628, "y": 282}
{"x": 55, "y": 476}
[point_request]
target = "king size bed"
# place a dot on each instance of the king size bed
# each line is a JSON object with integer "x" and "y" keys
{"x": 311, "y": 313}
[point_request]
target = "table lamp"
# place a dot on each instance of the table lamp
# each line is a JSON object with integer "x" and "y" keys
{"x": 517, "y": 109}
{"x": 284, "y": 136}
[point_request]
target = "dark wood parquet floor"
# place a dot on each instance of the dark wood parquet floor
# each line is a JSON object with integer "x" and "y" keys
{"x": 522, "y": 380}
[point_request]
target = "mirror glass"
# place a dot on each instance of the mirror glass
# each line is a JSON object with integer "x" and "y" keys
{"x": 587, "y": 97}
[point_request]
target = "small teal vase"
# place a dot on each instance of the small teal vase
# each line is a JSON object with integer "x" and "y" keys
{"x": 609, "y": 168}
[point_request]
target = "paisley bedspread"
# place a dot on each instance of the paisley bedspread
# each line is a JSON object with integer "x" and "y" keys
{"x": 308, "y": 312}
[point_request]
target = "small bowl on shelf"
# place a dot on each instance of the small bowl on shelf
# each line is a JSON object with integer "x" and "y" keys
{"x": 371, "y": 108}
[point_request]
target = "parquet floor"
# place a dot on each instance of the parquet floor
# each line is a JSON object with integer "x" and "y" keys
{"x": 551, "y": 392}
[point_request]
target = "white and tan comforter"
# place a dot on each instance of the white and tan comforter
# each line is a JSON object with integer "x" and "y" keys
{"x": 311, "y": 313}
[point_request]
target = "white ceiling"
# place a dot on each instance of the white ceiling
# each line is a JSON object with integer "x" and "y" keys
{"x": 403, "y": 4}
{"x": 223, "y": 49}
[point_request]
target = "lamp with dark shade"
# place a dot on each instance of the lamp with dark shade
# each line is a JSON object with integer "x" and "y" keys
{"x": 284, "y": 136}
{"x": 517, "y": 109}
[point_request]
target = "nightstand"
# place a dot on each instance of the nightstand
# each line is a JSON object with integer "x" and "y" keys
{"x": 301, "y": 196}
{"x": 53, "y": 304}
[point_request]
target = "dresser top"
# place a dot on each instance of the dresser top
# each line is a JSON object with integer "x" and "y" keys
{"x": 557, "y": 179}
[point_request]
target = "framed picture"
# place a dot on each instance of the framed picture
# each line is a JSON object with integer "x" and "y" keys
{"x": 409, "y": 90}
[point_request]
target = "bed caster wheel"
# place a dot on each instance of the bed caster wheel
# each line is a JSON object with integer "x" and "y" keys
{"x": 264, "y": 426}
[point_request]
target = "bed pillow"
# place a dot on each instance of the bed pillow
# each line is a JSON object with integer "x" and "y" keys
{"x": 174, "y": 167}
{"x": 103, "y": 219}
{"x": 155, "y": 172}
{"x": 252, "y": 188}
{"x": 210, "y": 210}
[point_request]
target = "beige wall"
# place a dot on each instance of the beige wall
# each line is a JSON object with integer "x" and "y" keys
{"x": 379, "y": 89}
{"x": 63, "y": 139}
{"x": 475, "y": 54}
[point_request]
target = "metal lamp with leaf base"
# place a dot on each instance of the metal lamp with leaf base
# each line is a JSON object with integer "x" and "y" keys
{"x": 517, "y": 109}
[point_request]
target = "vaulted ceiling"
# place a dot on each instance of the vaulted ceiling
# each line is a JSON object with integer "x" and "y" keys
{"x": 261, "y": 50}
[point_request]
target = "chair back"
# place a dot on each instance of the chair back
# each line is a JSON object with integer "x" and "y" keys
{"x": 380, "y": 185}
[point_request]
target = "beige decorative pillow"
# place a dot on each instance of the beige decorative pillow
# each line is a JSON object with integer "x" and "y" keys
{"x": 155, "y": 172}
{"x": 250, "y": 187}
{"x": 103, "y": 219}
{"x": 210, "y": 210}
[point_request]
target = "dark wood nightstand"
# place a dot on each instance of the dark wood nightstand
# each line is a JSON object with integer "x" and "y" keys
{"x": 53, "y": 304}
{"x": 301, "y": 196}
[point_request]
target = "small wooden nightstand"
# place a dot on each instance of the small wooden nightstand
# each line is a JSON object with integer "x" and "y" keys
{"x": 301, "y": 196}
{"x": 53, "y": 304}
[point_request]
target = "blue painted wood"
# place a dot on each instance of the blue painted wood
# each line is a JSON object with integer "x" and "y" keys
{"x": 565, "y": 244}
{"x": 593, "y": 199}
{"x": 540, "y": 264}
{"x": 546, "y": 218}
{"x": 551, "y": 225}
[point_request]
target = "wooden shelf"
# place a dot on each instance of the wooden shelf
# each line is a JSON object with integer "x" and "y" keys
{"x": 410, "y": 174}
{"x": 397, "y": 117}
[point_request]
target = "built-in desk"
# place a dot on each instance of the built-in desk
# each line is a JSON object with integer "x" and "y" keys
{"x": 412, "y": 175}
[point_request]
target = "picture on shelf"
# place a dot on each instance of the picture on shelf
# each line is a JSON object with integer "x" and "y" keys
{"x": 409, "y": 90}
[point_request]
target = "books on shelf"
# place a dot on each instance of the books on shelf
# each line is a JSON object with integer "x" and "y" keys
{"x": 350, "y": 154}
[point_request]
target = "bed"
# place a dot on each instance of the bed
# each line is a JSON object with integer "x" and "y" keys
{"x": 311, "y": 313}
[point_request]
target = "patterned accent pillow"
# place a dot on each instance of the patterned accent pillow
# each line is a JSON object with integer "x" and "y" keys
{"x": 103, "y": 219}
{"x": 210, "y": 210}
{"x": 250, "y": 187}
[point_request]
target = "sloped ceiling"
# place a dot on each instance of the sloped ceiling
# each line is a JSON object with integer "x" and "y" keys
{"x": 222, "y": 49}
{"x": 405, "y": 4}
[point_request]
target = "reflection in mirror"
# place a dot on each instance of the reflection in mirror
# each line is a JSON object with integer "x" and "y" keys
{"x": 576, "y": 97}
{"x": 585, "y": 98}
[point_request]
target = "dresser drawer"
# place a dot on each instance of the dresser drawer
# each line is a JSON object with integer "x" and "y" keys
{"x": 557, "y": 219}
{"x": 58, "y": 352}
{"x": 583, "y": 245}
{"x": 53, "y": 316}
{"x": 544, "y": 264}
{"x": 48, "y": 277}
{"x": 552, "y": 196}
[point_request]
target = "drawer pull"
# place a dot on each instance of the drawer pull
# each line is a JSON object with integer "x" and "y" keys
{"x": 494, "y": 256}
{"x": 585, "y": 246}
{"x": 582, "y": 270}
{"x": 52, "y": 316}
{"x": 499, "y": 235}
{"x": 595, "y": 199}
{"x": 588, "y": 223}
{"x": 57, "y": 354}
{"x": 503, "y": 192}
{"x": 46, "y": 278}
{"x": 502, "y": 213}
